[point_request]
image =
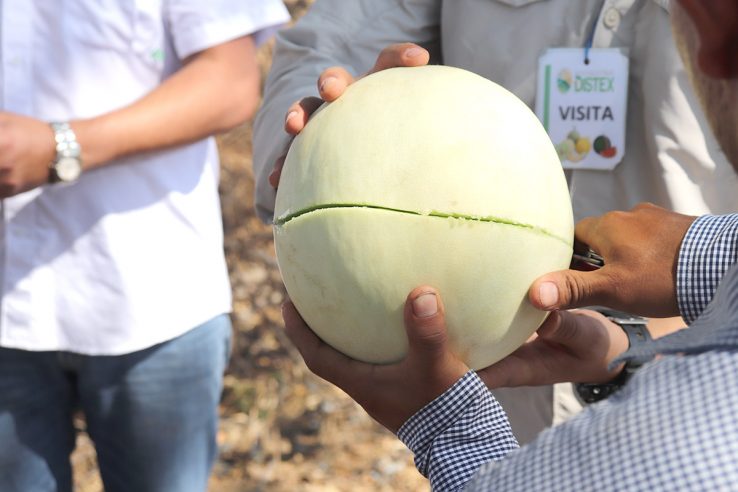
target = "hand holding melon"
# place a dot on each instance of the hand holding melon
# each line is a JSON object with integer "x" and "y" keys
{"x": 569, "y": 346}
{"x": 415, "y": 176}
{"x": 390, "y": 393}
{"x": 333, "y": 82}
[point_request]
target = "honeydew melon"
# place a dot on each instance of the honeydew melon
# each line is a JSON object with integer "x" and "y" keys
{"x": 425, "y": 175}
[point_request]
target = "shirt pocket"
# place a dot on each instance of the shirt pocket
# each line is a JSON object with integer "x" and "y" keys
{"x": 130, "y": 27}
{"x": 102, "y": 24}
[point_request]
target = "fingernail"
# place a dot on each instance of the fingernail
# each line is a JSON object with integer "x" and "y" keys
{"x": 326, "y": 81}
{"x": 290, "y": 115}
{"x": 425, "y": 305}
{"x": 548, "y": 293}
{"x": 413, "y": 52}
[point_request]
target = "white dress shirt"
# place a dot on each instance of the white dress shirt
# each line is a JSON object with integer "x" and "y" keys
{"x": 131, "y": 255}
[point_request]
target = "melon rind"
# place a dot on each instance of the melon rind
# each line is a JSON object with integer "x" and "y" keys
{"x": 425, "y": 175}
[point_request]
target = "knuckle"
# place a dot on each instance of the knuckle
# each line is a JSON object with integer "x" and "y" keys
{"x": 644, "y": 206}
{"x": 580, "y": 289}
{"x": 392, "y": 54}
{"x": 572, "y": 291}
{"x": 432, "y": 338}
{"x": 390, "y": 50}
{"x": 615, "y": 217}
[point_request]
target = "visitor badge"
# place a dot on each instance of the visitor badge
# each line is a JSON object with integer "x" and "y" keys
{"x": 582, "y": 103}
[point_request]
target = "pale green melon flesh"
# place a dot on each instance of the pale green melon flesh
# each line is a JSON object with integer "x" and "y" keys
{"x": 353, "y": 268}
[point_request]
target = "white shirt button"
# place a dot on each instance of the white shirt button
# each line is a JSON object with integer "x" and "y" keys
{"x": 611, "y": 18}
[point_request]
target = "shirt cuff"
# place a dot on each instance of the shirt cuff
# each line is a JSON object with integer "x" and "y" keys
{"x": 708, "y": 250}
{"x": 458, "y": 432}
{"x": 436, "y": 416}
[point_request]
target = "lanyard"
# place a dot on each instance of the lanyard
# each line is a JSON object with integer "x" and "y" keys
{"x": 590, "y": 39}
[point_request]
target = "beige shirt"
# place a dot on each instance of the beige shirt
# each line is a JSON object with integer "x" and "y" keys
{"x": 671, "y": 158}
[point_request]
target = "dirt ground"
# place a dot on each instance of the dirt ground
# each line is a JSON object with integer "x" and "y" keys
{"x": 282, "y": 429}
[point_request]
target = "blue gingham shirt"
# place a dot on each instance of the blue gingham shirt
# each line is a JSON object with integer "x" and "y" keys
{"x": 674, "y": 426}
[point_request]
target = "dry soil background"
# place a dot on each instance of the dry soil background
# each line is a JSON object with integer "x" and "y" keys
{"x": 282, "y": 429}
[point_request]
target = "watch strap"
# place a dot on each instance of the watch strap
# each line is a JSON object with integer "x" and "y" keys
{"x": 638, "y": 334}
{"x": 636, "y": 329}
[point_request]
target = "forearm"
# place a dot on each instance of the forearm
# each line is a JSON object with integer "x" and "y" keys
{"x": 214, "y": 91}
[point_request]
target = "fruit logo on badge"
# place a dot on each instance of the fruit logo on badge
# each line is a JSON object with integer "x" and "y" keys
{"x": 564, "y": 81}
{"x": 603, "y": 147}
{"x": 574, "y": 147}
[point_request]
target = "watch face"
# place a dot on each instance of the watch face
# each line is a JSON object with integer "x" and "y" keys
{"x": 68, "y": 168}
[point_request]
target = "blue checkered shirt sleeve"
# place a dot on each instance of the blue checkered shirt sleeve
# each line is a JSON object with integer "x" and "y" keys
{"x": 709, "y": 248}
{"x": 456, "y": 433}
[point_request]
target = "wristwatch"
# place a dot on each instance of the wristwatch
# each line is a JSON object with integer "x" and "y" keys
{"x": 67, "y": 165}
{"x": 636, "y": 330}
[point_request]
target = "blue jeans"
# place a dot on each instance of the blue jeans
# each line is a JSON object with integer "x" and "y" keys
{"x": 152, "y": 414}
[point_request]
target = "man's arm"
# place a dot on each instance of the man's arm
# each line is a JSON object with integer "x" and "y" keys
{"x": 458, "y": 432}
{"x": 657, "y": 263}
{"x": 454, "y": 425}
{"x": 332, "y": 33}
{"x": 640, "y": 248}
{"x": 215, "y": 90}
{"x": 454, "y": 431}
{"x": 465, "y": 428}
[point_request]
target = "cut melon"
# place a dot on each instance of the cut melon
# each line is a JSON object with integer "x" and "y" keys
{"x": 427, "y": 175}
